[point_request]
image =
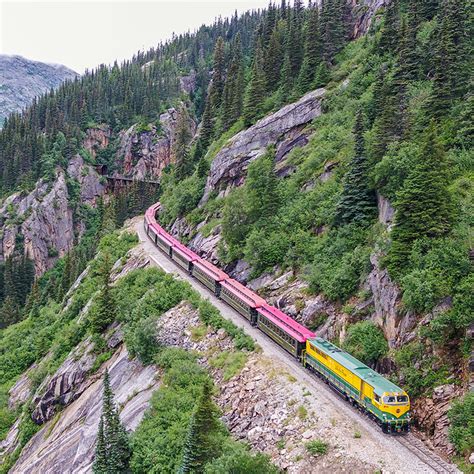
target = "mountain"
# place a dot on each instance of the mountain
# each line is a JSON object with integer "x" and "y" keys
{"x": 23, "y": 79}
{"x": 322, "y": 156}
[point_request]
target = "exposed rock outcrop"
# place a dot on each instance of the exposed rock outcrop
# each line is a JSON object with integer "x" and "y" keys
{"x": 364, "y": 12}
{"x": 397, "y": 325}
{"x": 432, "y": 416}
{"x": 97, "y": 139}
{"x": 285, "y": 129}
{"x": 45, "y": 220}
{"x": 44, "y": 216}
{"x": 66, "y": 445}
{"x": 145, "y": 153}
{"x": 24, "y": 79}
{"x": 69, "y": 381}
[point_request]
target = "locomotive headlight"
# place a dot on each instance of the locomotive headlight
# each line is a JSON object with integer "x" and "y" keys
{"x": 398, "y": 410}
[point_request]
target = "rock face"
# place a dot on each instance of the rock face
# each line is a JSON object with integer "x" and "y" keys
{"x": 97, "y": 139}
{"x": 23, "y": 79}
{"x": 432, "y": 416}
{"x": 397, "y": 325}
{"x": 69, "y": 381}
{"x": 44, "y": 216}
{"x": 364, "y": 12}
{"x": 285, "y": 129}
{"x": 146, "y": 153}
{"x": 47, "y": 223}
{"x": 66, "y": 445}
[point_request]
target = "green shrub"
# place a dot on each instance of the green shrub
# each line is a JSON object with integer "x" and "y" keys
{"x": 366, "y": 342}
{"x": 461, "y": 431}
{"x": 141, "y": 339}
{"x": 316, "y": 447}
{"x": 238, "y": 460}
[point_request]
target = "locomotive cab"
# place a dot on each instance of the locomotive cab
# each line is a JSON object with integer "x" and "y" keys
{"x": 395, "y": 407}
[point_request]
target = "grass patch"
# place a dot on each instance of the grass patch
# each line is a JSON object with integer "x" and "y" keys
{"x": 198, "y": 332}
{"x": 316, "y": 447}
{"x": 231, "y": 363}
{"x": 302, "y": 412}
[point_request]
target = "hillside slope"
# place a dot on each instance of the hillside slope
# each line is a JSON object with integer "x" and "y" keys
{"x": 23, "y": 79}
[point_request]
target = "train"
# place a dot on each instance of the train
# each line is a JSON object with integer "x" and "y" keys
{"x": 383, "y": 401}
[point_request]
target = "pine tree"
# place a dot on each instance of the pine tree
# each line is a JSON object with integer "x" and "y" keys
{"x": 200, "y": 445}
{"x": 294, "y": 40}
{"x": 234, "y": 87}
{"x": 112, "y": 448}
{"x": 182, "y": 156}
{"x": 256, "y": 90}
{"x": 428, "y": 9}
{"x": 391, "y": 26}
{"x": 333, "y": 28}
{"x": 100, "y": 460}
{"x": 207, "y": 128}
{"x": 313, "y": 51}
{"x": 357, "y": 203}
{"x": 273, "y": 58}
{"x": 104, "y": 313}
{"x": 218, "y": 76}
{"x": 424, "y": 205}
{"x": 9, "y": 312}
{"x": 450, "y": 57}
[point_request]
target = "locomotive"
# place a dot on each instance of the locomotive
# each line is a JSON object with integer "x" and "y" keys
{"x": 369, "y": 391}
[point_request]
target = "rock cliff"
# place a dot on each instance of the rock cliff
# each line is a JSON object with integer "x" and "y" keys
{"x": 44, "y": 216}
{"x": 284, "y": 129}
{"x": 146, "y": 152}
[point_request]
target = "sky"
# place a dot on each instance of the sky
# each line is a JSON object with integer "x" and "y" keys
{"x": 82, "y": 34}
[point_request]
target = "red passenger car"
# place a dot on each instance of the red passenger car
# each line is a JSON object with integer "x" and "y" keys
{"x": 242, "y": 299}
{"x": 283, "y": 329}
{"x": 209, "y": 275}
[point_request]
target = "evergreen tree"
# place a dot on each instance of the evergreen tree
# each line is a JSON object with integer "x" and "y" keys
{"x": 182, "y": 156}
{"x": 294, "y": 40}
{"x": 218, "y": 76}
{"x": 333, "y": 28}
{"x": 450, "y": 56}
{"x": 104, "y": 313}
{"x": 9, "y": 312}
{"x": 357, "y": 203}
{"x": 424, "y": 205}
{"x": 428, "y": 9}
{"x": 100, "y": 459}
{"x": 234, "y": 87}
{"x": 313, "y": 51}
{"x": 207, "y": 129}
{"x": 256, "y": 90}
{"x": 112, "y": 448}
{"x": 274, "y": 55}
{"x": 201, "y": 445}
{"x": 389, "y": 38}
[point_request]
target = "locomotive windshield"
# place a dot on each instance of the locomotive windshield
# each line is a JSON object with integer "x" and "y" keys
{"x": 393, "y": 400}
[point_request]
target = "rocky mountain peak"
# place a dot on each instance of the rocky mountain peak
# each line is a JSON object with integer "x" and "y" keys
{"x": 21, "y": 80}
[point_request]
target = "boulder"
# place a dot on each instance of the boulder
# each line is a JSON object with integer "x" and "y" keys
{"x": 285, "y": 129}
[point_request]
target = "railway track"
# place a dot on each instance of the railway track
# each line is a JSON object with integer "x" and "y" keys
{"x": 421, "y": 451}
{"x": 408, "y": 441}
{"x": 414, "y": 445}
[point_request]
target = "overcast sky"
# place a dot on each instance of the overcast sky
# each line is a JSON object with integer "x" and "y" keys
{"x": 84, "y": 33}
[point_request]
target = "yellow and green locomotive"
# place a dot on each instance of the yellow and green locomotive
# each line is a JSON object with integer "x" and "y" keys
{"x": 388, "y": 404}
